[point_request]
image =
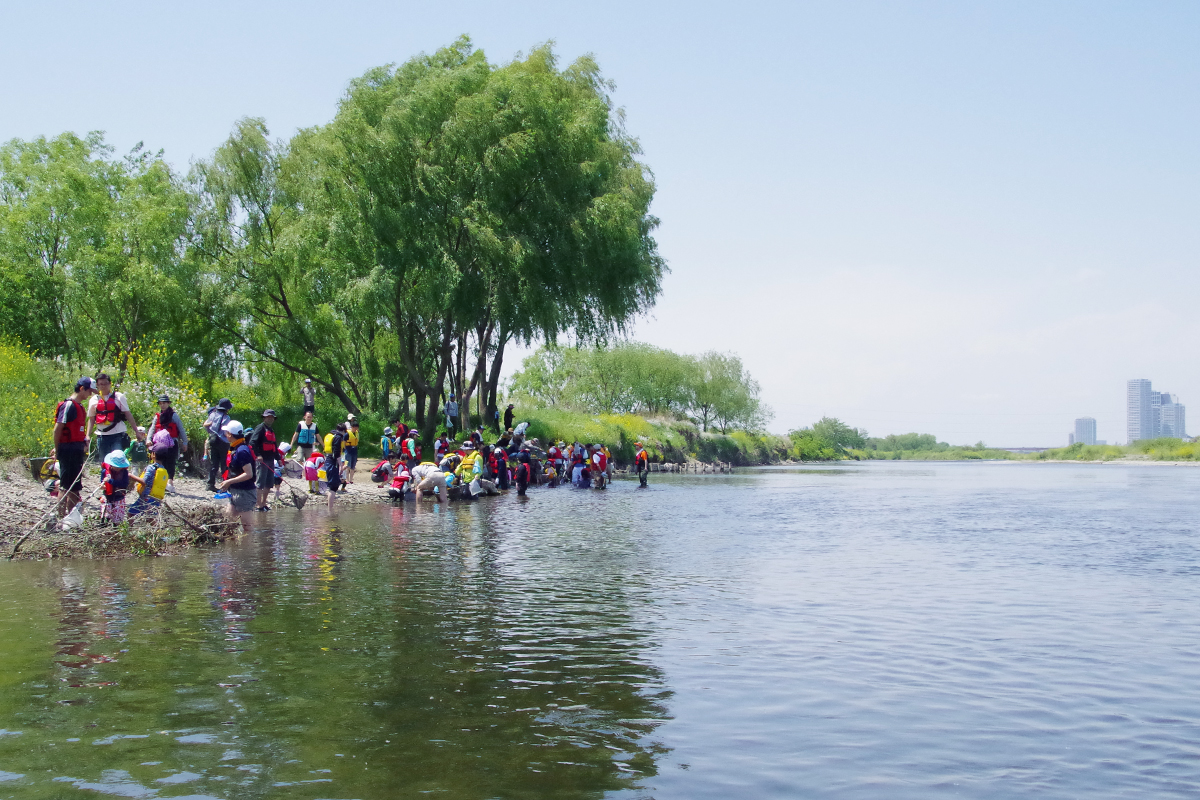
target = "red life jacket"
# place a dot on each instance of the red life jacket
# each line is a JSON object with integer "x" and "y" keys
{"x": 268, "y": 443}
{"x": 75, "y": 430}
{"x": 552, "y": 454}
{"x": 641, "y": 458}
{"x": 170, "y": 427}
{"x": 106, "y": 411}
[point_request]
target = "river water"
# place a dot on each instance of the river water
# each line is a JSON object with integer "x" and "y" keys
{"x": 881, "y": 630}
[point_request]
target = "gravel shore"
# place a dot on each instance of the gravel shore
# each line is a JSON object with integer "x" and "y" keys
{"x": 191, "y": 517}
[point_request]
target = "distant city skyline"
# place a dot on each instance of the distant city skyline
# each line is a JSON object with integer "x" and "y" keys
{"x": 1151, "y": 414}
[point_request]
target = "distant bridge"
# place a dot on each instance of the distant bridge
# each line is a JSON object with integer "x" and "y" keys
{"x": 1025, "y": 449}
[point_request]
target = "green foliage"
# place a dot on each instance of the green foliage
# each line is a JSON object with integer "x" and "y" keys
{"x": 92, "y": 250}
{"x": 829, "y": 438}
{"x": 634, "y": 377}
{"x": 450, "y": 207}
{"x": 31, "y": 389}
{"x": 906, "y": 442}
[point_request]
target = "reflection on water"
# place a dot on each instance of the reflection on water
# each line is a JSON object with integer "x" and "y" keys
{"x": 870, "y": 631}
{"x": 392, "y": 653}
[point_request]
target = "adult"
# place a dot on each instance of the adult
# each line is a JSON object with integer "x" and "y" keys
{"x": 239, "y": 478}
{"x": 217, "y": 445}
{"x": 641, "y": 460}
{"x": 70, "y": 443}
{"x": 167, "y": 419}
{"x": 262, "y": 445}
{"x": 307, "y": 434}
{"x": 309, "y": 395}
{"x": 428, "y": 477}
{"x": 351, "y": 449}
{"x": 107, "y": 414}
{"x": 508, "y": 416}
{"x": 441, "y": 446}
{"x": 524, "y": 472}
{"x": 451, "y": 410}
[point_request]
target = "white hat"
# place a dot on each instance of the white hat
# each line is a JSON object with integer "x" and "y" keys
{"x": 285, "y": 446}
{"x": 233, "y": 428}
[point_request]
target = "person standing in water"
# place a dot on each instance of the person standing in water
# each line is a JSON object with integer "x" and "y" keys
{"x": 641, "y": 462}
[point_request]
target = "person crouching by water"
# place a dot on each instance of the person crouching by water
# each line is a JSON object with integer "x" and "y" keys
{"x": 641, "y": 462}
{"x": 428, "y": 478}
{"x": 239, "y": 478}
{"x": 400, "y": 482}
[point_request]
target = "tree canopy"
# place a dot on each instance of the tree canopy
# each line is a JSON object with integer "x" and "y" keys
{"x": 451, "y": 207}
{"x": 634, "y": 377}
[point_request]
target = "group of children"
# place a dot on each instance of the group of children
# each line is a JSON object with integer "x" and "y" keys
{"x": 472, "y": 466}
{"x": 477, "y": 468}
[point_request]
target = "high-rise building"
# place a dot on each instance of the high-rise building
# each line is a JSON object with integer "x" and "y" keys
{"x": 1152, "y": 414}
{"x": 1171, "y": 417}
{"x": 1139, "y": 418}
{"x": 1085, "y": 430}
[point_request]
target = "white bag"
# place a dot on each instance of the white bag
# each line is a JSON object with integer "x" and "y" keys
{"x": 74, "y": 519}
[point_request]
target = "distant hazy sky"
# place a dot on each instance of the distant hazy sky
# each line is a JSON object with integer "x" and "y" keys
{"x": 971, "y": 219}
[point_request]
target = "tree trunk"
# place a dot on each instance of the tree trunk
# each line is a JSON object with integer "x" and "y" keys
{"x": 493, "y": 379}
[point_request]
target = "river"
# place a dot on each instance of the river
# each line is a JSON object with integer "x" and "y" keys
{"x": 879, "y": 630}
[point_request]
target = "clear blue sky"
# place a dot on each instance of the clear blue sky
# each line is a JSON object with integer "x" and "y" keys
{"x": 971, "y": 219}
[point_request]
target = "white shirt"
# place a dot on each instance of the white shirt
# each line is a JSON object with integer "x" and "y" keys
{"x": 122, "y": 404}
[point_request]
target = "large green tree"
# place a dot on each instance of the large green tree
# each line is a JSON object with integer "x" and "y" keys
{"x": 93, "y": 251}
{"x": 485, "y": 204}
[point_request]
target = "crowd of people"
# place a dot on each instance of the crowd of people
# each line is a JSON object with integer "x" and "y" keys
{"x": 245, "y": 466}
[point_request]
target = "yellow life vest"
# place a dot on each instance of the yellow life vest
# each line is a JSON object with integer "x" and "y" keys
{"x": 328, "y": 443}
{"x": 158, "y": 489}
{"x": 352, "y": 438}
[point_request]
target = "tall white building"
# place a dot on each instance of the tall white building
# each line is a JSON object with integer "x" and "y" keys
{"x": 1085, "y": 430}
{"x": 1151, "y": 414}
{"x": 1139, "y": 417}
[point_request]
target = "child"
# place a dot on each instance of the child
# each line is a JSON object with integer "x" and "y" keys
{"x": 153, "y": 485}
{"x": 284, "y": 447}
{"x": 312, "y": 471}
{"x": 550, "y": 473}
{"x": 400, "y": 481}
{"x": 116, "y": 480}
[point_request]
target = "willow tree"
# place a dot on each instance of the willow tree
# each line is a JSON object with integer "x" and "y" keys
{"x": 485, "y": 204}
{"x": 92, "y": 251}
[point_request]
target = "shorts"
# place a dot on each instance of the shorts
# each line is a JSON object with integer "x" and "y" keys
{"x": 313, "y": 409}
{"x": 264, "y": 477}
{"x": 332, "y": 477}
{"x": 351, "y": 453}
{"x": 70, "y": 468}
{"x": 242, "y": 499}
